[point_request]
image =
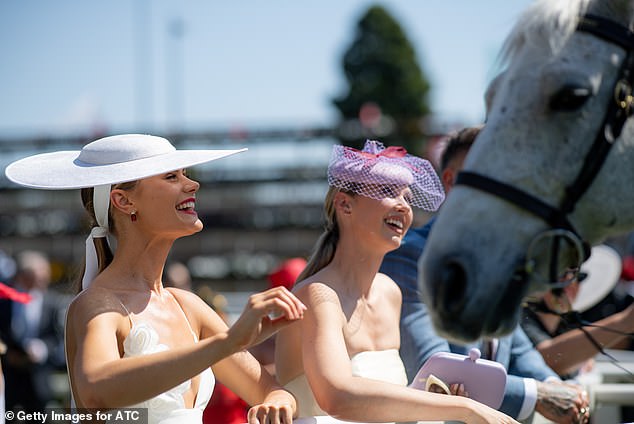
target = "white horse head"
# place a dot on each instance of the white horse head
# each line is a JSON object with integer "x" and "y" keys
{"x": 487, "y": 249}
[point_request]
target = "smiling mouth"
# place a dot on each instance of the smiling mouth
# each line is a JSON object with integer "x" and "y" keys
{"x": 395, "y": 224}
{"x": 187, "y": 206}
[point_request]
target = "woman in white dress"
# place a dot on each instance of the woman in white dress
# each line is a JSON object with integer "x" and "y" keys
{"x": 342, "y": 358}
{"x": 129, "y": 340}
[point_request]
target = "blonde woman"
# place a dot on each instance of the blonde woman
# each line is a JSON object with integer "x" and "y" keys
{"x": 342, "y": 359}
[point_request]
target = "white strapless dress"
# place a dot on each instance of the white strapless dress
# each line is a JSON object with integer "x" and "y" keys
{"x": 382, "y": 365}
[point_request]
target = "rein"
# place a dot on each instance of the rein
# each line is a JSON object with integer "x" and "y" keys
{"x": 574, "y": 320}
{"x": 619, "y": 109}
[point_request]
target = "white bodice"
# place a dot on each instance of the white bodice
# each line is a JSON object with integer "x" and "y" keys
{"x": 168, "y": 407}
{"x": 382, "y": 365}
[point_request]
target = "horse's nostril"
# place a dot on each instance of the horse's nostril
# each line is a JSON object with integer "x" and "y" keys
{"x": 451, "y": 290}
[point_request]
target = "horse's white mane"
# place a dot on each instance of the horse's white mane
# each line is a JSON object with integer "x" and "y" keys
{"x": 544, "y": 23}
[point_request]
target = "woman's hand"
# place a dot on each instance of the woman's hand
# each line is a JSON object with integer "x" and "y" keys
{"x": 277, "y": 408}
{"x": 264, "y": 314}
{"x": 270, "y": 414}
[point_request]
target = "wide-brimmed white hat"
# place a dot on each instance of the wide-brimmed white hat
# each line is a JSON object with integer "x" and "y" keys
{"x": 603, "y": 271}
{"x": 100, "y": 164}
{"x": 109, "y": 160}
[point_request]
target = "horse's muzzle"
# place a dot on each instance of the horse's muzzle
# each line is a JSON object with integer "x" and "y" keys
{"x": 462, "y": 313}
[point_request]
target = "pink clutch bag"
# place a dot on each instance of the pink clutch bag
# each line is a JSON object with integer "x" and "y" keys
{"x": 484, "y": 380}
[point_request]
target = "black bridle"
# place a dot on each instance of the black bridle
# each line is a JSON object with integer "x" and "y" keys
{"x": 619, "y": 109}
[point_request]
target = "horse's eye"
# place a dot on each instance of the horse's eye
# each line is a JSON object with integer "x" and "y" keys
{"x": 569, "y": 98}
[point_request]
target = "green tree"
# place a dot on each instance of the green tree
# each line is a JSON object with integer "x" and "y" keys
{"x": 387, "y": 90}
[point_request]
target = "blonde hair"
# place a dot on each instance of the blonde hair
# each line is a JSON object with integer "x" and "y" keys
{"x": 326, "y": 245}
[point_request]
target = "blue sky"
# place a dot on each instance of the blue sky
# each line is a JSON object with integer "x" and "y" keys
{"x": 71, "y": 66}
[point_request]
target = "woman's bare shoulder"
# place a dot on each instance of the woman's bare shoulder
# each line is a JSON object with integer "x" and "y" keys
{"x": 185, "y": 296}
{"x": 314, "y": 291}
{"x": 97, "y": 299}
{"x": 95, "y": 303}
{"x": 388, "y": 287}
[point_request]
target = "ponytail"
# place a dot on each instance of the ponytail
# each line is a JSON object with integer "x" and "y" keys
{"x": 102, "y": 248}
{"x": 327, "y": 243}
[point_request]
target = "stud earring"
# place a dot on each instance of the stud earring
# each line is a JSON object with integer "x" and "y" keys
{"x": 133, "y": 216}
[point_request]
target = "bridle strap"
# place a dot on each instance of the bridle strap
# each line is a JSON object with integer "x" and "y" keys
{"x": 607, "y": 29}
{"x": 524, "y": 200}
{"x": 553, "y": 216}
{"x": 619, "y": 109}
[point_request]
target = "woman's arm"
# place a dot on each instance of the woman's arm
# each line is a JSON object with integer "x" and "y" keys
{"x": 344, "y": 396}
{"x": 98, "y": 372}
{"x": 246, "y": 377}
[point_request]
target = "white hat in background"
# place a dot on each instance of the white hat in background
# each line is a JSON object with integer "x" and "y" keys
{"x": 603, "y": 271}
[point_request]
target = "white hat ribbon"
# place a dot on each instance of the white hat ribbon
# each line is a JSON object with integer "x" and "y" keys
{"x": 101, "y": 204}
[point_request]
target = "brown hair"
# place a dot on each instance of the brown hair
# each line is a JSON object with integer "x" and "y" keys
{"x": 458, "y": 142}
{"x": 104, "y": 252}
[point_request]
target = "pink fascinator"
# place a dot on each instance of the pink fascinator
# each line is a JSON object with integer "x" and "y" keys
{"x": 370, "y": 171}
